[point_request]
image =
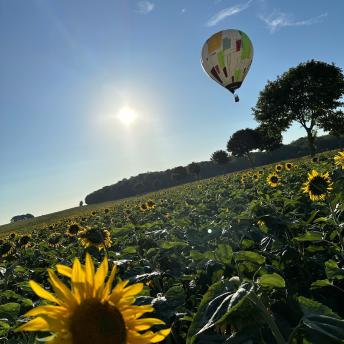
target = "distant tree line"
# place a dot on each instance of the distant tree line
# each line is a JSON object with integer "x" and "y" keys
{"x": 153, "y": 181}
{"x": 21, "y": 217}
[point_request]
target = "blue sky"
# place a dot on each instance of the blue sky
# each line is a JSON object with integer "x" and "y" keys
{"x": 68, "y": 66}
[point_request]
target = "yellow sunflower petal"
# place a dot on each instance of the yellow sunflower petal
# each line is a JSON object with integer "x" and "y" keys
{"x": 89, "y": 271}
{"x": 64, "y": 270}
{"x": 133, "y": 290}
{"x": 101, "y": 274}
{"x": 41, "y": 292}
{"x": 78, "y": 281}
{"x": 145, "y": 324}
{"x": 37, "y": 324}
{"x": 109, "y": 282}
{"x": 46, "y": 310}
{"x": 63, "y": 293}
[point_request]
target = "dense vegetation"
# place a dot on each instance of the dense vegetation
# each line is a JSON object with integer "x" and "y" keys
{"x": 250, "y": 257}
{"x": 152, "y": 181}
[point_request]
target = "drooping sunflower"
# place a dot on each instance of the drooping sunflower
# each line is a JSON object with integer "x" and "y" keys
{"x": 288, "y": 166}
{"x": 92, "y": 312}
{"x": 273, "y": 179}
{"x": 99, "y": 238}
{"x": 339, "y": 159}
{"x": 6, "y": 249}
{"x": 318, "y": 186}
{"x": 278, "y": 167}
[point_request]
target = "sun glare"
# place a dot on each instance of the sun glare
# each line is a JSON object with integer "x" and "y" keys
{"x": 126, "y": 115}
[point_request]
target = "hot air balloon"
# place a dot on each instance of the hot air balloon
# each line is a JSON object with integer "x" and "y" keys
{"x": 227, "y": 57}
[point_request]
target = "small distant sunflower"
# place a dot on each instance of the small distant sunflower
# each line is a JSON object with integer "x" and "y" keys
{"x": 288, "y": 166}
{"x": 99, "y": 238}
{"x": 256, "y": 177}
{"x": 24, "y": 241}
{"x": 315, "y": 159}
{"x": 54, "y": 240}
{"x": 150, "y": 204}
{"x": 106, "y": 210}
{"x": 273, "y": 179}
{"x": 260, "y": 172}
{"x": 242, "y": 179}
{"x": 318, "y": 185}
{"x": 92, "y": 312}
{"x": 73, "y": 229}
{"x": 93, "y": 213}
{"x": 339, "y": 159}
{"x": 278, "y": 167}
{"x": 143, "y": 207}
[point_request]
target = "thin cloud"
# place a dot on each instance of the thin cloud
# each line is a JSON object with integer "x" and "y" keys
{"x": 277, "y": 20}
{"x": 227, "y": 12}
{"x": 144, "y": 7}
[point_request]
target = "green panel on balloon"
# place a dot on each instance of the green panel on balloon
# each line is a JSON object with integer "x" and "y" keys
{"x": 237, "y": 75}
{"x": 221, "y": 59}
{"x": 245, "y": 47}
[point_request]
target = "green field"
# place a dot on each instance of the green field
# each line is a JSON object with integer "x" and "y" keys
{"x": 232, "y": 259}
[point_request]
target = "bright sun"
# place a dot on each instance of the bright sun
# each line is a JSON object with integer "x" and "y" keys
{"x": 126, "y": 115}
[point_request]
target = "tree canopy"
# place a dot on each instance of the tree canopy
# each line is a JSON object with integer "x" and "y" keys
{"x": 220, "y": 157}
{"x": 309, "y": 94}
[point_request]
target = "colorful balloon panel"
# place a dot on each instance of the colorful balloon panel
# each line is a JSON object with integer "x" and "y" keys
{"x": 227, "y": 57}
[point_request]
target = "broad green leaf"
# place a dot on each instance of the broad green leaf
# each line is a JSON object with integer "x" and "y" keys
{"x": 173, "y": 244}
{"x": 321, "y": 283}
{"x": 4, "y": 327}
{"x": 309, "y": 236}
{"x": 9, "y": 310}
{"x": 310, "y": 307}
{"x": 332, "y": 270}
{"x": 250, "y": 256}
{"x": 224, "y": 253}
{"x": 273, "y": 280}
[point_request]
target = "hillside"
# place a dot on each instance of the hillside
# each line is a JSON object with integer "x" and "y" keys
{"x": 152, "y": 181}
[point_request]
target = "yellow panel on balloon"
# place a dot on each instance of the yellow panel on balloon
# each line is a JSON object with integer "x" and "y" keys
{"x": 214, "y": 42}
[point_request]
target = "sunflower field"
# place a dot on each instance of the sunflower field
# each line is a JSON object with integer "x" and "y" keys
{"x": 249, "y": 257}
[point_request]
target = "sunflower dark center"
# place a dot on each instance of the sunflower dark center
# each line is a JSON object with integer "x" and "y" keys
{"x": 96, "y": 323}
{"x": 274, "y": 179}
{"x": 95, "y": 236}
{"x": 74, "y": 229}
{"x": 318, "y": 186}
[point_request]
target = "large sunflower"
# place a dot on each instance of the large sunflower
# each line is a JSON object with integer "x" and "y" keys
{"x": 92, "y": 312}
{"x": 339, "y": 159}
{"x": 99, "y": 238}
{"x": 318, "y": 185}
{"x": 273, "y": 179}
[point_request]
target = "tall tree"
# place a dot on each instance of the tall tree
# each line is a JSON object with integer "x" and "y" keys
{"x": 309, "y": 94}
{"x": 243, "y": 142}
{"x": 220, "y": 157}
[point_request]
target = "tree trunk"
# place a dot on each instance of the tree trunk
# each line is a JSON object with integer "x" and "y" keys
{"x": 250, "y": 160}
{"x": 311, "y": 140}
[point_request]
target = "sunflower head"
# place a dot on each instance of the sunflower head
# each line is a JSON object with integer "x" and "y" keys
{"x": 315, "y": 159}
{"x": 73, "y": 229}
{"x": 24, "y": 241}
{"x": 150, "y": 204}
{"x": 318, "y": 186}
{"x": 273, "y": 179}
{"x": 106, "y": 210}
{"x": 288, "y": 166}
{"x": 54, "y": 239}
{"x": 256, "y": 177}
{"x": 6, "y": 249}
{"x": 339, "y": 159}
{"x": 99, "y": 238}
{"x": 92, "y": 311}
{"x": 143, "y": 207}
{"x": 12, "y": 236}
{"x": 278, "y": 167}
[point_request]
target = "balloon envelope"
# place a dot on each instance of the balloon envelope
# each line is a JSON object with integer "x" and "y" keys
{"x": 227, "y": 57}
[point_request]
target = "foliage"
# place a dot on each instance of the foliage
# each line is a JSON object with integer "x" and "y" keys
{"x": 309, "y": 94}
{"x": 220, "y": 157}
{"x": 21, "y": 217}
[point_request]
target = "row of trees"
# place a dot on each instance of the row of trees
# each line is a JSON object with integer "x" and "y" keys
{"x": 309, "y": 94}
